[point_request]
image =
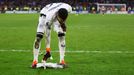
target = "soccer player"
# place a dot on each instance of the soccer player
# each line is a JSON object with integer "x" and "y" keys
{"x": 54, "y": 14}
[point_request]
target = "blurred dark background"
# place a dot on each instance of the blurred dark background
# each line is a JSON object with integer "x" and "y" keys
{"x": 38, "y": 4}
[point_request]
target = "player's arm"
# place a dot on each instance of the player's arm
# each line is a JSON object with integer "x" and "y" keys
{"x": 63, "y": 26}
{"x": 47, "y": 40}
{"x": 62, "y": 23}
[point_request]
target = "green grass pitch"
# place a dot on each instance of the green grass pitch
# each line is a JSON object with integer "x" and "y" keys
{"x": 88, "y": 32}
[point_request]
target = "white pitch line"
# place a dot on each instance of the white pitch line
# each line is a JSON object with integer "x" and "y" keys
{"x": 70, "y": 51}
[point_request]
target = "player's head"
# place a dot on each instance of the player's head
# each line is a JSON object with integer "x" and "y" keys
{"x": 62, "y": 14}
{"x": 61, "y": 17}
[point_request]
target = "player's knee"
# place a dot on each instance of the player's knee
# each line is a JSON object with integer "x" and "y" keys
{"x": 39, "y": 36}
{"x": 61, "y": 34}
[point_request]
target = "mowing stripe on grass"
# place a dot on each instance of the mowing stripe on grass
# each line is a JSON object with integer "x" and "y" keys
{"x": 70, "y": 51}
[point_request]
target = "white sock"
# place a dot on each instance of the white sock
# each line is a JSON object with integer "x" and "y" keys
{"x": 62, "y": 48}
{"x": 36, "y": 53}
{"x": 62, "y": 54}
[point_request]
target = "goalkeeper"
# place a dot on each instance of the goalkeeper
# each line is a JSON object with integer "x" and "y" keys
{"x": 54, "y": 14}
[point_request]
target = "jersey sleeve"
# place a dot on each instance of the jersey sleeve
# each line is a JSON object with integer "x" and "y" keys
{"x": 69, "y": 9}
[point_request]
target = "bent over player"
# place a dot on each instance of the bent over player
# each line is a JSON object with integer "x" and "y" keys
{"x": 52, "y": 14}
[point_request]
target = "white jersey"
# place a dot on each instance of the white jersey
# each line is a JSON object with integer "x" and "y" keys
{"x": 51, "y": 9}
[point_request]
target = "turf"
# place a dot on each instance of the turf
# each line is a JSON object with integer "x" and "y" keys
{"x": 86, "y": 32}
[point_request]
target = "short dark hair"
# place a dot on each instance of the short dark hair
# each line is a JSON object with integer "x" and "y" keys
{"x": 63, "y": 13}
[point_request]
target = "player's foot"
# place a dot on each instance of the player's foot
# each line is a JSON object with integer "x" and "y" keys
{"x": 34, "y": 64}
{"x": 63, "y": 64}
{"x": 46, "y": 56}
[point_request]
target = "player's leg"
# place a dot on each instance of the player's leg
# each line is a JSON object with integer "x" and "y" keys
{"x": 61, "y": 38}
{"x": 37, "y": 43}
{"x": 47, "y": 40}
{"x": 36, "y": 48}
{"x": 62, "y": 46}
